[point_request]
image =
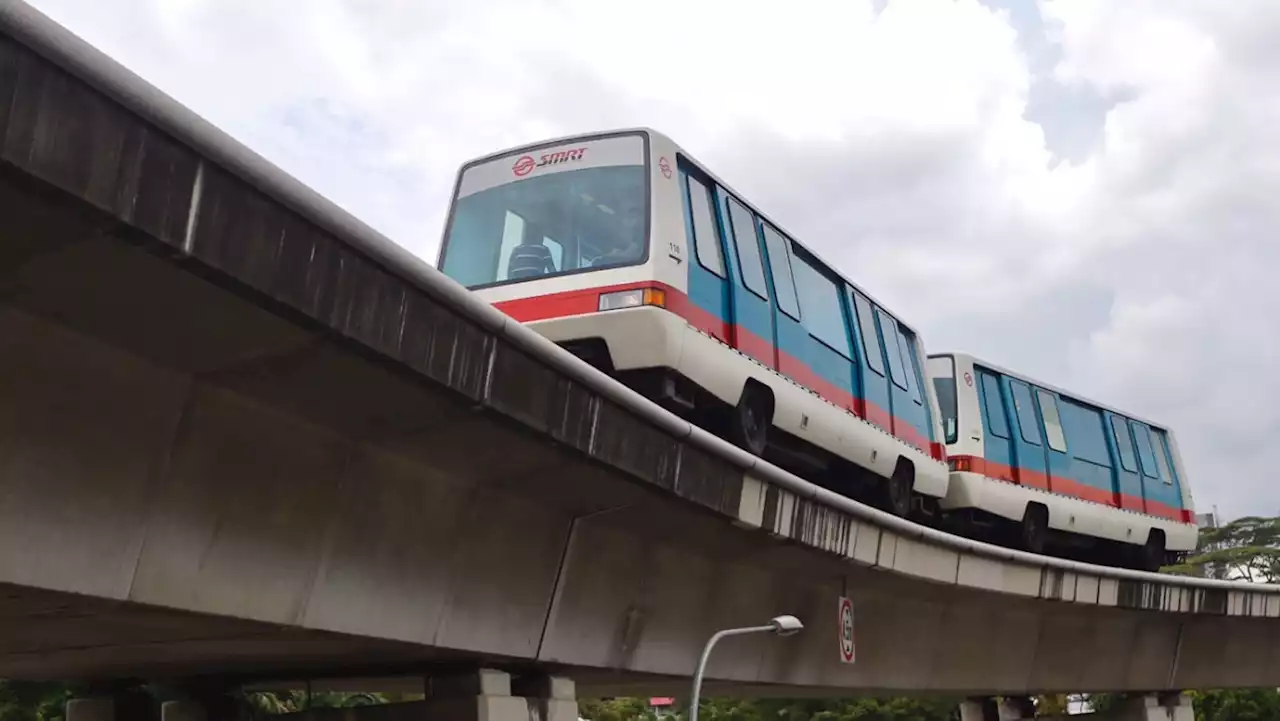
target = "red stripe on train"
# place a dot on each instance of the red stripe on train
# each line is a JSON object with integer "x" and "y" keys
{"x": 1068, "y": 487}
{"x": 582, "y": 302}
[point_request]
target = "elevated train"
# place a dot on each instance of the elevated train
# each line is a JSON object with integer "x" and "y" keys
{"x": 627, "y": 251}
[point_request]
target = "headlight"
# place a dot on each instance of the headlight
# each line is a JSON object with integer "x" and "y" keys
{"x": 633, "y": 298}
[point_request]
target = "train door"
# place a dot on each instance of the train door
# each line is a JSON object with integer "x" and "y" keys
{"x": 748, "y": 290}
{"x": 998, "y": 459}
{"x": 708, "y": 279}
{"x": 1125, "y": 463}
{"x": 1029, "y": 464}
{"x": 873, "y": 404}
{"x": 1057, "y": 456}
{"x": 790, "y": 340}
{"x": 1169, "y": 470}
{"x": 899, "y": 396}
{"x": 913, "y": 355}
{"x": 1160, "y": 497}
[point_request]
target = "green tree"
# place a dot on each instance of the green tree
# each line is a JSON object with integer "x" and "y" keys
{"x": 278, "y": 702}
{"x": 615, "y": 709}
{"x": 1238, "y": 705}
{"x": 1246, "y": 549}
{"x": 33, "y": 700}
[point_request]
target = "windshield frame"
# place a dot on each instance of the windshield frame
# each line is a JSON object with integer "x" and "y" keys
{"x": 513, "y": 153}
{"x": 952, "y": 436}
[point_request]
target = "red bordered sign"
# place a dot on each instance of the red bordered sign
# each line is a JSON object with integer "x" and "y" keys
{"x": 844, "y": 626}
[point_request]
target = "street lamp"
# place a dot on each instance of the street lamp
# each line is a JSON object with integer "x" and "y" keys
{"x": 780, "y": 625}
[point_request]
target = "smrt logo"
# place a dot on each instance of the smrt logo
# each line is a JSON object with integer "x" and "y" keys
{"x": 525, "y": 164}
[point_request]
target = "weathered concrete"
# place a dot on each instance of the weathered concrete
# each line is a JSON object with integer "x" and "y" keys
{"x": 235, "y": 442}
{"x": 185, "y": 710}
{"x": 1143, "y": 707}
{"x": 91, "y": 709}
{"x": 485, "y": 695}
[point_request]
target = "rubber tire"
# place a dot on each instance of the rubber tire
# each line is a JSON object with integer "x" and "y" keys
{"x": 1033, "y": 532}
{"x": 1151, "y": 555}
{"x": 749, "y": 422}
{"x": 895, "y": 495}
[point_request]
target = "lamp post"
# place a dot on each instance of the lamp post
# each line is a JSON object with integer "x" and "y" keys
{"x": 780, "y": 625}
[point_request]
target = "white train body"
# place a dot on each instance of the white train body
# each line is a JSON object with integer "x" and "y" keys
{"x": 1014, "y": 443}
{"x": 624, "y": 249}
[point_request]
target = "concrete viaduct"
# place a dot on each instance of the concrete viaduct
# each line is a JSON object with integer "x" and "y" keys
{"x": 245, "y": 437}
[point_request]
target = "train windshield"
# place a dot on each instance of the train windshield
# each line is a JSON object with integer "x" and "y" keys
{"x": 942, "y": 369}
{"x": 536, "y": 214}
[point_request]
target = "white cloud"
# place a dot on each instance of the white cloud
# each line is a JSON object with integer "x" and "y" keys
{"x": 894, "y": 142}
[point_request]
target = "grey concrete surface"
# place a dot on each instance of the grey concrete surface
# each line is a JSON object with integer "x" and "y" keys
{"x": 233, "y": 443}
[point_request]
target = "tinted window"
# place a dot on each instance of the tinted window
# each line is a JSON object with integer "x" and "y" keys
{"x": 995, "y": 406}
{"x": 1145, "y": 456}
{"x": 1052, "y": 423}
{"x": 1121, "y": 435}
{"x": 820, "y": 309}
{"x": 706, "y": 241}
{"x": 870, "y": 341}
{"x": 1085, "y": 432}
{"x": 889, "y": 329}
{"x": 1026, "y": 412}
{"x": 909, "y": 366}
{"x": 748, "y": 245}
{"x": 784, "y": 287}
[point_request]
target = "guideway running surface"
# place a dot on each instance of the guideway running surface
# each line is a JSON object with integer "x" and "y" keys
{"x": 244, "y": 434}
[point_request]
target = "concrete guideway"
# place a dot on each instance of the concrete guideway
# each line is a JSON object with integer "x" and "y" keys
{"x": 244, "y": 434}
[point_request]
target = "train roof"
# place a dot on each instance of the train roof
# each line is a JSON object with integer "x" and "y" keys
{"x": 1050, "y": 387}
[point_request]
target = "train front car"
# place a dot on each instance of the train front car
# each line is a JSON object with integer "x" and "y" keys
{"x": 1048, "y": 471}
{"x": 557, "y": 235}
{"x": 623, "y": 249}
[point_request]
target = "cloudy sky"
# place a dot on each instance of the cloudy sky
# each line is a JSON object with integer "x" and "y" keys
{"x": 1074, "y": 188}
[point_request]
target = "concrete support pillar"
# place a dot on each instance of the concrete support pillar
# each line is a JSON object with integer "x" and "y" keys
{"x": 91, "y": 709}
{"x": 483, "y": 695}
{"x": 555, "y": 698}
{"x": 184, "y": 710}
{"x": 1004, "y": 709}
{"x": 1153, "y": 707}
{"x": 979, "y": 709}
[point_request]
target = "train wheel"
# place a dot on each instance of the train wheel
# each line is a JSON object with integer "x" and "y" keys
{"x": 1152, "y": 554}
{"x": 751, "y": 420}
{"x": 895, "y": 491}
{"x": 1034, "y": 531}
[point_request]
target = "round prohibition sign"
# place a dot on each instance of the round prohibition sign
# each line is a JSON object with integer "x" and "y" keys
{"x": 845, "y": 624}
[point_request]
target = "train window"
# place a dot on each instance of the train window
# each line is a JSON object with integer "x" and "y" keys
{"x": 784, "y": 286}
{"x": 1053, "y": 434}
{"x": 1085, "y": 432}
{"x": 870, "y": 340}
{"x": 820, "y": 304}
{"x": 748, "y": 245}
{"x": 1146, "y": 458}
{"x": 908, "y": 366}
{"x": 1164, "y": 457}
{"x": 994, "y": 402}
{"x": 1026, "y": 412}
{"x": 1162, "y": 461}
{"x": 943, "y": 371}
{"x": 1121, "y": 435}
{"x": 889, "y": 330}
{"x": 706, "y": 241}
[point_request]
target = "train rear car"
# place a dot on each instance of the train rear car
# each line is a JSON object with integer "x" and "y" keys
{"x": 1034, "y": 459}
{"x": 625, "y": 250}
